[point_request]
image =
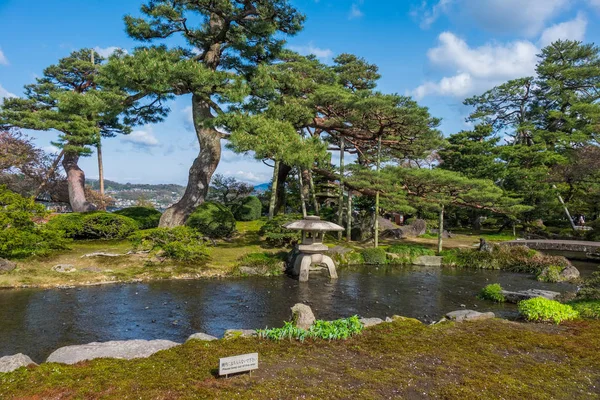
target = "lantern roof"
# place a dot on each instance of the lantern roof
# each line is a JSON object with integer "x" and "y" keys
{"x": 313, "y": 223}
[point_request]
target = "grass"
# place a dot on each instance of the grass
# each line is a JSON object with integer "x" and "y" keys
{"x": 403, "y": 359}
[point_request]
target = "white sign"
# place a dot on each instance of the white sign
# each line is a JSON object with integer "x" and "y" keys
{"x": 233, "y": 365}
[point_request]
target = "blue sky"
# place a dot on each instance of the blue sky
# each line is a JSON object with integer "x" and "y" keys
{"x": 439, "y": 51}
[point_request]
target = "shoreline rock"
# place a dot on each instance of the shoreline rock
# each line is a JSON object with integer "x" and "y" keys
{"x": 239, "y": 333}
{"x": 12, "y": 363}
{"x": 515, "y": 297}
{"x": 126, "y": 349}
{"x": 302, "y": 316}
{"x": 202, "y": 336}
{"x": 7, "y": 265}
{"x": 468, "y": 315}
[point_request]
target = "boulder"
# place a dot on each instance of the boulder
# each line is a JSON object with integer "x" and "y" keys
{"x": 64, "y": 268}
{"x": 6, "y": 265}
{"x": 249, "y": 271}
{"x": 239, "y": 333}
{"x": 11, "y": 363}
{"x": 202, "y": 336}
{"x": 569, "y": 273}
{"x": 367, "y": 322}
{"x": 468, "y": 315}
{"x": 515, "y": 297}
{"x": 428, "y": 261}
{"x": 126, "y": 349}
{"x": 302, "y": 316}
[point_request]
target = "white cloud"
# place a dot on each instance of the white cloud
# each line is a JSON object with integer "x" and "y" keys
{"x": 311, "y": 49}
{"x": 248, "y": 176}
{"x": 595, "y": 3}
{"x": 572, "y": 30}
{"x": 5, "y": 94}
{"x": 3, "y": 59}
{"x": 143, "y": 139}
{"x": 355, "y": 12}
{"x": 106, "y": 52}
{"x": 479, "y": 68}
{"x": 507, "y": 16}
{"x": 51, "y": 149}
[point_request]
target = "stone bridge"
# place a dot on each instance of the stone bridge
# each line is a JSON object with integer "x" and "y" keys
{"x": 591, "y": 248}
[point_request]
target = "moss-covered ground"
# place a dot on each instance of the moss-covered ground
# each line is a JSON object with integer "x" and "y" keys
{"x": 493, "y": 359}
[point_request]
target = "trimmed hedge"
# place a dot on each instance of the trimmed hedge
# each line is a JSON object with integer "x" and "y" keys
{"x": 93, "y": 225}
{"x": 250, "y": 209}
{"x": 146, "y": 217}
{"x": 213, "y": 220}
{"x": 181, "y": 243}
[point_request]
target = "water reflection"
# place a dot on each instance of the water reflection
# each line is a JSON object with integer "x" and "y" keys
{"x": 36, "y": 322}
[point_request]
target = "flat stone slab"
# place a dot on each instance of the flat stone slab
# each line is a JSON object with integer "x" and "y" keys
{"x": 239, "y": 333}
{"x": 367, "y": 322}
{"x": 126, "y": 349}
{"x": 102, "y": 254}
{"x": 428, "y": 261}
{"x": 515, "y": 297}
{"x": 11, "y": 363}
{"x": 468, "y": 315}
{"x": 202, "y": 336}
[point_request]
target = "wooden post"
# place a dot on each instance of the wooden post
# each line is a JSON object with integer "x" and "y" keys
{"x": 341, "y": 198}
{"x": 441, "y": 231}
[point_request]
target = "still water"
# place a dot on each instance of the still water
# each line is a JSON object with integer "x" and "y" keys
{"x": 36, "y": 322}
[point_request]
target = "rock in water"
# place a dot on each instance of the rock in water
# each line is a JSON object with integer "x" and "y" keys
{"x": 11, "y": 363}
{"x": 468, "y": 315}
{"x": 126, "y": 349}
{"x": 6, "y": 265}
{"x": 367, "y": 322}
{"x": 302, "y": 316}
{"x": 484, "y": 246}
{"x": 515, "y": 297}
{"x": 63, "y": 268}
{"x": 569, "y": 273}
{"x": 202, "y": 336}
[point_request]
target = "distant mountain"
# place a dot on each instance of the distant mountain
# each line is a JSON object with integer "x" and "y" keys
{"x": 116, "y": 186}
{"x": 263, "y": 187}
{"x": 161, "y": 196}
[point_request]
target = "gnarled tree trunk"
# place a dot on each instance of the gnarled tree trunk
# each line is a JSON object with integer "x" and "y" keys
{"x": 76, "y": 182}
{"x": 282, "y": 175}
{"x": 202, "y": 169}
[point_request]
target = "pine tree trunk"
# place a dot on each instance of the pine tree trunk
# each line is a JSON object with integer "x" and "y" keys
{"x": 201, "y": 170}
{"x": 441, "y": 231}
{"x": 282, "y": 176}
{"x": 76, "y": 183}
{"x": 50, "y": 172}
{"x": 349, "y": 217}
{"x": 376, "y": 233}
{"x": 311, "y": 183}
{"x": 341, "y": 198}
{"x": 302, "y": 194}
{"x": 274, "y": 190}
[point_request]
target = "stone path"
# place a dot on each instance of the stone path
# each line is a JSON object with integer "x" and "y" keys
{"x": 563, "y": 245}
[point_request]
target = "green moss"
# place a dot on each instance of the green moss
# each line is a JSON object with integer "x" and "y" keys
{"x": 550, "y": 274}
{"x": 374, "y": 256}
{"x": 544, "y": 310}
{"x": 493, "y": 293}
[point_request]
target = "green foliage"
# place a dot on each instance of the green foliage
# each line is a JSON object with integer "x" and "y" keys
{"x": 508, "y": 258}
{"x": 374, "y": 256}
{"x": 250, "y": 209}
{"x": 590, "y": 290}
{"x": 19, "y": 235}
{"x": 213, "y": 220}
{"x": 93, "y": 225}
{"x": 265, "y": 263}
{"x": 594, "y": 234}
{"x": 544, "y": 310}
{"x": 408, "y": 252}
{"x": 146, "y": 217}
{"x": 550, "y": 274}
{"x": 493, "y": 293}
{"x": 340, "y": 329}
{"x": 587, "y": 309}
{"x": 276, "y": 235}
{"x": 180, "y": 244}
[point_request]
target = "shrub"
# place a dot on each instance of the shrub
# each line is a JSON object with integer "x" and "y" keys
{"x": 587, "y": 309}
{"x": 145, "y": 217}
{"x": 19, "y": 235}
{"x": 492, "y": 292}
{"x": 340, "y": 329}
{"x": 550, "y": 274}
{"x": 93, "y": 225}
{"x": 590, "y": 289}
{"x": 265, "y": 263}
{"x": 374, "y": 256}
{"x": 250, "y": 209}
{"x": 409, "y": 253}
{"x": 180, "y": 244}
{"x": 594, "y": 234}
{"x": 544, "y": 310}
{"x": 213, "y": 220}
{"x": 276, "y": 235}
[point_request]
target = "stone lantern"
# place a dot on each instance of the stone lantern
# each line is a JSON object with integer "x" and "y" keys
{"x": 311, "y": 248}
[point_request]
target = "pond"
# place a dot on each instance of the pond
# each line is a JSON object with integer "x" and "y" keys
{"x": 36, "y": 322}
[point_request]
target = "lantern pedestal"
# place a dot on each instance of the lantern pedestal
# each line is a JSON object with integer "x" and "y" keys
{"x": 305, "y": 259}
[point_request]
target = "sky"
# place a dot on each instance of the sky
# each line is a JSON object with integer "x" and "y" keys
{"x": 438, "y": 51}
